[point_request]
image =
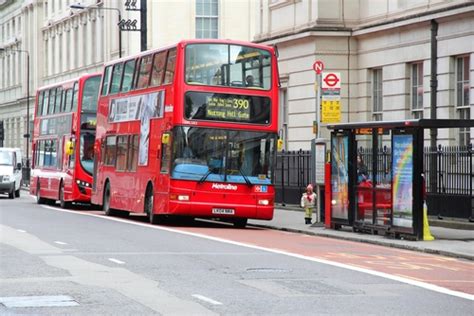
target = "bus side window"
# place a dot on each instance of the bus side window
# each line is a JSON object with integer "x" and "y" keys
{"x": 52, "y": 98}
{"x": 143, "y": 76}
{"x": 59, "y": 93}
{"x": 39, "y": 104}
{"x": 170, "y": 65}
{"x": 128, "y": 72}
{"x": 68, "y": 100}
{"x": 158, "y": 70}
{"x": 41, "y": 153}
{"x": 132, "y": 160}
{"x": 121, "y": 161}
{"x": 116, "y": 78}
{"x": 44, "y": 107}
{"x": 110, "y": 148}
{"x": 75, "y": 97}
{"x": 105, "y": 82}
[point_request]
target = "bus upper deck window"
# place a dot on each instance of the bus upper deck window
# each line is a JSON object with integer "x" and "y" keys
{"x": 170, "y": 64}
{"x": 128, "y": 75}
{"x": 144, "y": 72}
{"x": 116, "y": 78}
{"x": 105, "y": 85}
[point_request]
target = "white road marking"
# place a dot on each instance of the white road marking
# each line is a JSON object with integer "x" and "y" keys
{"x": 21, "y": 230}
{"x": 206, "y": 299}
{"x": 116, "y": 261}
{"x": 60, "y": 243}
{"x": 38, "y": 301}
{"x": 424, "y": 285}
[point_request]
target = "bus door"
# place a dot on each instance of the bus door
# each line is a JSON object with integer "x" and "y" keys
{"x": 163, "y": 170}
{"x": 69, "y": 161}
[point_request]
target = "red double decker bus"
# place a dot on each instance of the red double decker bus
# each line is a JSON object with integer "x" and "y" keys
{"x": 189, "y": 130}
{"x": 63, "y": 141}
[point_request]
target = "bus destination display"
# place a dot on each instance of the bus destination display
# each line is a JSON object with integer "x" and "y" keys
{"x": 233, "y": 108}
{"x": 227, "y": 107}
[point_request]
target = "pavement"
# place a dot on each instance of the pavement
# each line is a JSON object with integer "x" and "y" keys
{"x": 454, "y": 240}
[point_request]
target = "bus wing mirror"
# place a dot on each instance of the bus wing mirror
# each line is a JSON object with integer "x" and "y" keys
{"x": 69, "y": 148}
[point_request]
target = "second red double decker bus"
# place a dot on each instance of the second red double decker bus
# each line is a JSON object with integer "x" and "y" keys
{"x": 63, "y": 141}
{"x": 189, "y": 130}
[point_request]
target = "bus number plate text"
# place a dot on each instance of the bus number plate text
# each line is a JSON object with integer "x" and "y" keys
{"x": 226, "y": 211}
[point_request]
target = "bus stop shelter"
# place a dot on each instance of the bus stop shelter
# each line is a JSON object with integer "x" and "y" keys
{"x": 377, "y": 174}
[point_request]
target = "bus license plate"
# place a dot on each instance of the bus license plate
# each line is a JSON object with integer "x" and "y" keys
{"x": 226, "y": 211}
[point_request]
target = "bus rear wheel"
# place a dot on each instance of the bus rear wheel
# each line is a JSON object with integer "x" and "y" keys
{"x": 106, "y": 204}
{"x": 152, "y": 217}
{"x": 39, "y": 199}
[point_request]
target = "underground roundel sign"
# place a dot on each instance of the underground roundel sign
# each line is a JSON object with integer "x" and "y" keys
{"x": 331, "y": 80}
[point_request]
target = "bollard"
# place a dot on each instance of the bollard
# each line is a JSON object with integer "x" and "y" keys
{"x": 426, "y": 227}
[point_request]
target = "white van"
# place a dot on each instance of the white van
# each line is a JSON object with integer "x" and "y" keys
{"x": 10, "y": 171}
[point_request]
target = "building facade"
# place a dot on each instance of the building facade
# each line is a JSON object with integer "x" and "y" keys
{"x": 382, "y": 49}
{"x": 62, "y": 42}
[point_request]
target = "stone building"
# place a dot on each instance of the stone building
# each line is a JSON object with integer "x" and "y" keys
{"x": 63, "y": 43}
{"x": 382, "y": 50}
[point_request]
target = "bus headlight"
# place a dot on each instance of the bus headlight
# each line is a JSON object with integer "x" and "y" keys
{"x": 264, "y": 202}
{"x": 83, "y": 184}
{"x": 6, "y": 179}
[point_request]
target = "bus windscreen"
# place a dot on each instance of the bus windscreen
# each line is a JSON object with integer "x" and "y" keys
{"x": 208, "y": 154}
{"x": 228, "y": 65}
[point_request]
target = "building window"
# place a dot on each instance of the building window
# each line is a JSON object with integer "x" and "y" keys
{"x": 462, "y": 97}
{"x": 377, "y": 94}
{"x": 206, "y": 19}
{"x": 417, "y": 90}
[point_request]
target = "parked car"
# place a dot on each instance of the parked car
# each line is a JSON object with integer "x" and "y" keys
{"x": 10, "y": 171}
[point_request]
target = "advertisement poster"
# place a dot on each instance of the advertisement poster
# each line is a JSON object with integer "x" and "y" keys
{"x": 340, "y": 177}
{"x": 139, "y": 107}
{"x": 402, "y": 189}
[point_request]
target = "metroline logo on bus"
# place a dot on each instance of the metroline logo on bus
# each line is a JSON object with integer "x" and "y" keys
{"x": 331, "y": 97}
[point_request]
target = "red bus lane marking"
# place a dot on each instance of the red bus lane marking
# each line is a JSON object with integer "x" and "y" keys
{"x": 450, "y": 273}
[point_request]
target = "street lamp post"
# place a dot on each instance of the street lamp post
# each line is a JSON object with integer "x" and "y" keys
{"x": 27, "y": 135}
{"x": 82, "y": 7}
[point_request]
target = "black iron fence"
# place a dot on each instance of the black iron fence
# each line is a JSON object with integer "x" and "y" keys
{"x": 448, "y": 173}
{"x": 292, "y": 174}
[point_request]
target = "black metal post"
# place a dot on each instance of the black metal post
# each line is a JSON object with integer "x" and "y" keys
{"x": 143, "y": 27}
{"x": 433, "y": 95}
{"x": 120, "y": 33}
{"x": 27, "y": 135}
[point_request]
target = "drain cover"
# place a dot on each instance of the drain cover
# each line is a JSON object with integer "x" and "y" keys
{"x": 38, "y": 301}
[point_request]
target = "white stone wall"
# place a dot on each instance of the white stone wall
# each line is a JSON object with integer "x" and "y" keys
{"x": 384, "y": 35}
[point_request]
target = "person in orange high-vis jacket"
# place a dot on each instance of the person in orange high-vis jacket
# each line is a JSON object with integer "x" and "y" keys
{"x": 308, "y": 202}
